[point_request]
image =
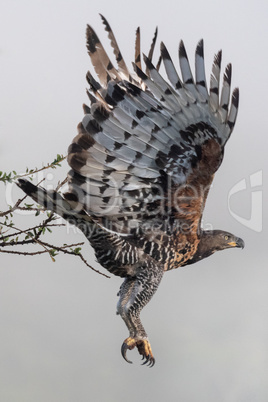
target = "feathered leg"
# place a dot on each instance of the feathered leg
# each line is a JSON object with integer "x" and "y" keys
{"x": 135, "y": 293}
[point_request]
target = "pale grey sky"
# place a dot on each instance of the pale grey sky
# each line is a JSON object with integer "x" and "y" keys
{"x": 60, "y": 338}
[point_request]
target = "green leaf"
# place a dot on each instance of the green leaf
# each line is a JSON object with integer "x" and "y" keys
{"x": 53, "y": 253}
{"x": 28, "y": 205}
{"x": 77, "y": 250}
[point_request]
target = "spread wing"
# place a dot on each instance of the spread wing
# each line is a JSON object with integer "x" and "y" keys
{"x": 148, "y": 147}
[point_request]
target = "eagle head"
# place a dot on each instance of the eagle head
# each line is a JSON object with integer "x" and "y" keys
{"x": 215, "y": 240}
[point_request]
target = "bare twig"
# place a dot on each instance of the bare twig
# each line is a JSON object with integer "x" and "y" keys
{"x": 12, "y": 209}
{"x": 60, "y": 184}
{"x": 23, "y": 252}
{"x": 48, "y": 248}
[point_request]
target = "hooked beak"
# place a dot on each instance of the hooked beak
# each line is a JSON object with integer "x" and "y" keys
{"x": 237, "y": 243}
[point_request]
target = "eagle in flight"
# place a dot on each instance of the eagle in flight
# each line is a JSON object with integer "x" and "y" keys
{"x": 141, "y": 165}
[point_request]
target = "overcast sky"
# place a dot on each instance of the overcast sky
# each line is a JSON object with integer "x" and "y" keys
{"x": 59, "y": 336}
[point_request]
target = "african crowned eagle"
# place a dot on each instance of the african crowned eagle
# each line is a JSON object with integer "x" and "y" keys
{"x": 141, "y": 165}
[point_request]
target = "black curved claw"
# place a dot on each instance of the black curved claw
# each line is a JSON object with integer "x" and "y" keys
{"x": 124, "y": 349}
{"x": 149, "y": 359}
{"x": 146, "y": 361}
{"x": 152, "y": 362}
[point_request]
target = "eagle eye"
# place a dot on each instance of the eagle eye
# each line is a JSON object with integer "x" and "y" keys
{"x": 226, "y": 237}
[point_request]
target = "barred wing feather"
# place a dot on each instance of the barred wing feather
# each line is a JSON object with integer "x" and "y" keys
{"x": 141, "y": 132}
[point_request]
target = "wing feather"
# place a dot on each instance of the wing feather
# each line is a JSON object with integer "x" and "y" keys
{"x": 137, "y": 57}
{"x": 99, "y": 58}
{"x": 186, "y": 72}
{"x": 215, "y": 82}
{"x": 151, "y": 51}
{"x": 118, "y": 55}
{"x": 201, "y": 82}
{"x": 225, "y": 93}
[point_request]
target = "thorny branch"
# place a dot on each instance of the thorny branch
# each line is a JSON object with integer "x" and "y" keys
{"x": 13, "y": 237}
